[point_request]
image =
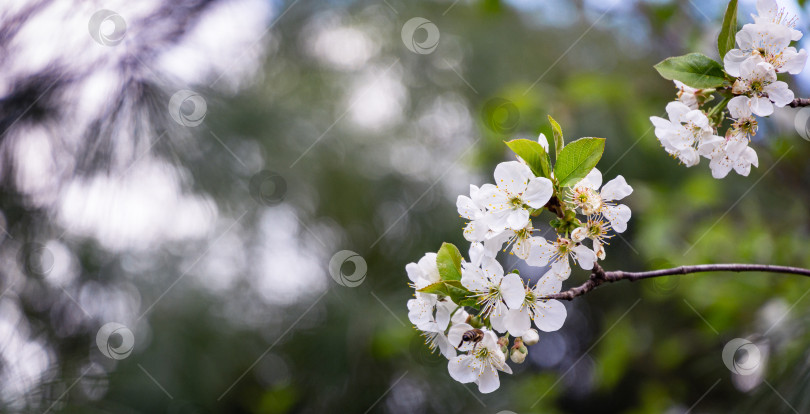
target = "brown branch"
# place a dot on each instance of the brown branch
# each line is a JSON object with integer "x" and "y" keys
{"x": 798, "y": 102}
{"x": 599, "y": 276}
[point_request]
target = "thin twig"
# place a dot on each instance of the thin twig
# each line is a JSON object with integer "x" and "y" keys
{"x": 798, "y": 102}
{"x": 599, "y": 276}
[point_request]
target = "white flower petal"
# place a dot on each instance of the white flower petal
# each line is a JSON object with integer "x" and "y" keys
{"x": 585, "y": 256}
{"x": 779, "y": 93}
{"x": 547, "y": 286}
{"x": 538, "y": 192}
{"x": 498, "y": 318}
{"x": 732, "y": 61}
{"x": 540, "y": 251}
{"x": 618, "y": 216}
{"x": 543, "y": 141}
{"x": 616, "y": 189}
{"x": 761, "y": 106}
{"x": 738, "y": 107}
{"x": 467, "y": 208}
{"x": 461, "y": 369}
{"x": 593, "y": 180}
{"x": 549, "y": 316}
{"x": 512, "y": 290}
{"x": 518, "y": 321}
{"x": 488, "y": 381}
{"x": 512, "y": 177}
{"x": 517, "y": 219}
{"x": 561, "y": 269}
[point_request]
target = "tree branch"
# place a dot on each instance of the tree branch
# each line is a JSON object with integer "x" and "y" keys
{"x": 798, "y": 102}
{"x": 599, "y": 276}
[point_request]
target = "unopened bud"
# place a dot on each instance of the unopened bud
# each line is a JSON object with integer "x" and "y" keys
{"x": 503, "y": 342}
{"x": 518, "y": 354}
{"x": 531, "y": 337}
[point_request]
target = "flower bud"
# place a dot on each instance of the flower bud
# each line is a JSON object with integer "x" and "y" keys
{"x": 518, "y": 352}
{"x": 503, "y": 342}
{"x": 517, "y": 357}
{"x": 531, "y": 337}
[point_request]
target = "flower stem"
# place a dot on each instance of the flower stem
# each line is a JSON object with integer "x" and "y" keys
{"x": 718, "y": 108}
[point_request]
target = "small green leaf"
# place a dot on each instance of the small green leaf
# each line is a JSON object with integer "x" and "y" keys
{"x": 437, "y": 288}
{"x": 577, "y": 159}
{"x": 456, "y": 291}
{"x": 559, "y": 143}
{"x": 452, "y": 289}
{"x": 726, "y": 39}
{"x": 534, "y": 155}
{"x": 695, "y": 70}
{"x": 448, "y": 260}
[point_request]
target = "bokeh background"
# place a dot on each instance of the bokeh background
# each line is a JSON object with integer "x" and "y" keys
{"x": 210, "y": 238}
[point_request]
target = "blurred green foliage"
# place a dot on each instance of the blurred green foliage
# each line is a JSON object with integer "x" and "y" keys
{"x": 350, "y": 354}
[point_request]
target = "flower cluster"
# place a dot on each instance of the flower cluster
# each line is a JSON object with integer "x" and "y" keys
{"x": 470, "y": 310}
{"x": 748, "y": 83}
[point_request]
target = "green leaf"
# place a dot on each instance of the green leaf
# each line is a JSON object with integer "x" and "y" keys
{"x": 534, "y": 155}
{"x": 559, "y": 143}
{"x": 577, "y": 159}
{"x": 448, "y": 260}
{"x": 695, "y": 70}
{"x": 725, "y": 41}
{"x": 452, "y": 289}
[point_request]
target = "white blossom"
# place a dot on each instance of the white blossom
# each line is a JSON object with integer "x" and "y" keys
{"x": 770, "y": 12}
{"x": 768, "y": 41}
{"x": 548, "y": 314}
{"x": 685, "y": 133}
{"x": 516, "y": 191}
{"x": 473, "y": 209}
{"x": 425, "y": 272}
{"x": 432, "y": 317}
{"x": 757, "y": 81}
{"x": 491, "y": 287}
{"x": 587, "y": 196}
{"x": 687, "y": 94}
{"x": 558, "y": 254}
{"x": 480, "y": 365}
{"x": 596, "y": 229}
